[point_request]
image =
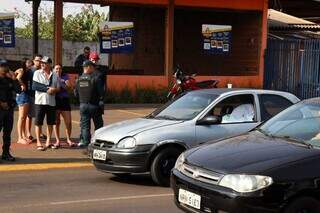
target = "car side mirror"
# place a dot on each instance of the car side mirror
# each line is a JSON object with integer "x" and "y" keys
{"x": 209, "y": 120}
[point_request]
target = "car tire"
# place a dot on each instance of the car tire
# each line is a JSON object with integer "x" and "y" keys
{"x": 303, "y": 205}
{"x": 162, "y": 165}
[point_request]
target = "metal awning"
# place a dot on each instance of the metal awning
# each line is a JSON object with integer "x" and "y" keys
{"x": 282, "y": 21}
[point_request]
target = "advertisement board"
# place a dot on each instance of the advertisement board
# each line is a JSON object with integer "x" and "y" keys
{"x": 216, "y": 38}
{"x": 116, "y": 37}
{"x": 7, "y": 32}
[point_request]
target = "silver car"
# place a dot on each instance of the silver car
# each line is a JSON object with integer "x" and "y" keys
{"x": 153, "y": 143}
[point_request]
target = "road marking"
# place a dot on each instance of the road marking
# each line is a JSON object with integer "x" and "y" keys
{"x": 43, "y": 166}
{"x": 88, "y": 201}
{"x": 110, "y": 199}
{"x": 129, "y": 112}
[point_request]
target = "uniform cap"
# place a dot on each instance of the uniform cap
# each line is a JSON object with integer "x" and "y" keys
{"x": 87, "y": 63}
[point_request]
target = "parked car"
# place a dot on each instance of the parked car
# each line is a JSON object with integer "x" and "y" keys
{"x": 153, "y": 143}
{"x": 275, "y": 168}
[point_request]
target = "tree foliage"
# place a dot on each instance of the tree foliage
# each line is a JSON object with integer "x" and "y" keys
{"x": 83, "y": 26}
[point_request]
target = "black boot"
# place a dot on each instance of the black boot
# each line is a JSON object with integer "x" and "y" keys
{"x": 7, "y": 156}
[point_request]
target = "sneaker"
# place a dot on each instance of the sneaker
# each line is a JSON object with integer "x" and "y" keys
{"x": 82, "y": 145}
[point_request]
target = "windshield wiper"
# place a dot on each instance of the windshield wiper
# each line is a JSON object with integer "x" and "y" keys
{"x": 294, "y": 140}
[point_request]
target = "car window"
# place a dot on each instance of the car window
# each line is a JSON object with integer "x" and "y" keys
{"x": 270, "y": 105}
{"x": 300, "y": 122}
{"x": 236, "y": 109}
{"x": 185, "y": 107}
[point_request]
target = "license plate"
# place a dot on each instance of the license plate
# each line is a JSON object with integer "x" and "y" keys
{"x": 189, "y": 198}
{"x": 99, "y": 154}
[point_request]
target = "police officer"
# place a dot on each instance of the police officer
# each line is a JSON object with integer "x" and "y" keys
{"x": 89, "y": 89}
{"x": 9, "y": 86}
{"x": 99, "y": 71}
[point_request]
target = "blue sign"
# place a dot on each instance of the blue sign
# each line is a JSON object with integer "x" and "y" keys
{"x": 116, "y": 37}
{"x": 7, "y": 33}
{"x": 216, "y": 38}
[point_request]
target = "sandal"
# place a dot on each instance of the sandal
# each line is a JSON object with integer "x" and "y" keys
{"x": 30, "y": 138}
{"x": 55, "y": 146}
{"x": 48, "y": 147}
{"x": 22, "y": 141}
{"x": 40, "y": 148}
{"x": 72, "y": 144}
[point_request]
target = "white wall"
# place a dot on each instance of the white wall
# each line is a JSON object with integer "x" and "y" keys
{"x": 71, "y": 50}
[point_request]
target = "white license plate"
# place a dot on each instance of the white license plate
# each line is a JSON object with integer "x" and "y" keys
{"x": 189, "y": 198}
{"x": 99, "y": 154}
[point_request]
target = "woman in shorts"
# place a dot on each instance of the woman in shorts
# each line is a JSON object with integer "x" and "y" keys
{"x": 22, "y": 100}
{"x": 63, "y": 107}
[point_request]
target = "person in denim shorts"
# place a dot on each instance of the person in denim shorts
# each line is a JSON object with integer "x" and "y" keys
{"x": 23, "y": 101}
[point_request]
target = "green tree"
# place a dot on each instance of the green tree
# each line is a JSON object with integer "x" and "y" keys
{"x": 83, "y": 26}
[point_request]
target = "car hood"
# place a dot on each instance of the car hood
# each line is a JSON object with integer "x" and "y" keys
{"x": 117, "y": 131}
{"x": 251, "y": 153}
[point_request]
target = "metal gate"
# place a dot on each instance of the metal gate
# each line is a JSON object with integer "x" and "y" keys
{"x": 293, "y": 65}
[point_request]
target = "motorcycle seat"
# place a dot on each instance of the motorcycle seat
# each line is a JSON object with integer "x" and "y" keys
{"x": 206, "y": 84}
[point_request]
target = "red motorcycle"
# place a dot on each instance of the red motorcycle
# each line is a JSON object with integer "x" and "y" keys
{"x": 184, "y": 83}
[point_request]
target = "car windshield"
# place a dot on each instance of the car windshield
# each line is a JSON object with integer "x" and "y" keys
{"x": 184, "y": 108}
{"x": 299, "y": 123}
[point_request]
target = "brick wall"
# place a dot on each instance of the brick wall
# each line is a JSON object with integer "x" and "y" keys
{"x": 149, "y": 41}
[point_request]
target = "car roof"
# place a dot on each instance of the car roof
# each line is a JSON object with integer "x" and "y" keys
{"x": 227, "y": 91}
{"x": 220, "y": 91}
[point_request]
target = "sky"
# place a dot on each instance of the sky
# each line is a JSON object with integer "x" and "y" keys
{"x": 69, "y": 8}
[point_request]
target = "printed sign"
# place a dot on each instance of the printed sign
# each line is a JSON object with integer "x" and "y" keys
{"x": 216, "y": 38}
{"x": 116, "y": 37}
{"x": 7, "y": 33}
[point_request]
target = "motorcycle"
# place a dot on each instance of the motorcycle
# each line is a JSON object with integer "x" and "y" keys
{"x": 184, "y": 83}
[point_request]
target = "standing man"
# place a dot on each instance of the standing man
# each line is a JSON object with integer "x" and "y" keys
{"x": 46, "y": 84}
{"x": 31, "y": 113}
{"x": 80, "y": 59}
{"x": 89, "y": 90}
{"x": 101, "y": 73}
{"x": 9, "y": 85}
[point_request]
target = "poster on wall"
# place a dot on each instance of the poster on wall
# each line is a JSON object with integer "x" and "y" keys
{"x": 7, "y": 33}
{"x": 216, "y": 38}
{"x": 116, "y": 37}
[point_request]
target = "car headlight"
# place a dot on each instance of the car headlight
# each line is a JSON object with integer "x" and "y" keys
{"x": 179, "y": 162}
{"x": 245, "y": 183}
{"x": 127, "y": 143}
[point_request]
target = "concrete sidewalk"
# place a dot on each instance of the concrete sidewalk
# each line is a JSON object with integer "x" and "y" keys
{"x": 64, "y": 157}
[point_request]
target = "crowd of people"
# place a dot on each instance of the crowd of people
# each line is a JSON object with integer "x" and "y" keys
{"x": 41, "y": 90}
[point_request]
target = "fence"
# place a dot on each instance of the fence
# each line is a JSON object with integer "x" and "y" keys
{"x": 293, "y": 65}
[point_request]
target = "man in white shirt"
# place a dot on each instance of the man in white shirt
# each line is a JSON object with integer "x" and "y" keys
{"x": 46, "y": 84}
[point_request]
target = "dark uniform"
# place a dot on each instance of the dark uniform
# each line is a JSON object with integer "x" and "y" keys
{"x": 8, "y": 89}
{"x": 90, "y": 91}
{"x": 102, "y": 74}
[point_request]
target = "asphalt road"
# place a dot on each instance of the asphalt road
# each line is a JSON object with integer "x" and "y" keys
{"x": 65, "y": 181}
{"x": 81, "y": 190}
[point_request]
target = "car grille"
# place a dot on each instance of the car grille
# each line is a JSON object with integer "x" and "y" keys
{"x": 200, "y": 174}
{"x": 103, "y": 144}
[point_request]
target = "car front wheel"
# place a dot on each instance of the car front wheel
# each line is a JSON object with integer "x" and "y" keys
{"x": 303, "y": 205}
{"x": 162, "y": 165}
